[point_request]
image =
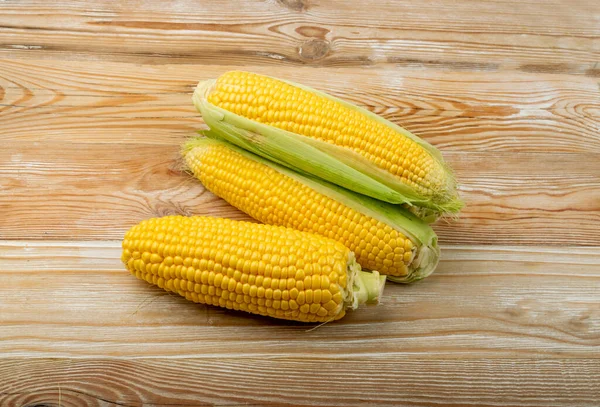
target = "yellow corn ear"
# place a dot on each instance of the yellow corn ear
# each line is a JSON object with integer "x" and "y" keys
{"x": 275, "y": 195}
{"x": 262, "y": 269}
{"x": 395, "y": 165}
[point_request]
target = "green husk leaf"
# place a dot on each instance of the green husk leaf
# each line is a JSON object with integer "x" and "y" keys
{"x": 399, "y": 218}
{"x": 291, "y": 148}
{"x": 368, "y": 287}
{"x": 333, "y": 163}
{"x": 428, "y": 147}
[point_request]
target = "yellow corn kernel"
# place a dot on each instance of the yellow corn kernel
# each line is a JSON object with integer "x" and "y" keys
{"x": 265, "y": 99}
{"x": 272, "y": 197}
{"x": 217, "y": 276}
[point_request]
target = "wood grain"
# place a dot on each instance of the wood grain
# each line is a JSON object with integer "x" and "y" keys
{"x": 287, "y": 381}
{"x": 95, "y": 101}
{"x": 75, "y": 299}
{"x": 59, "y": 190}
{"x": 122, "y": 102}
{"x": 485, "y": 35}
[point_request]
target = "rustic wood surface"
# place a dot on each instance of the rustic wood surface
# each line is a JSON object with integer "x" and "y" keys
{"x": 95, "y": 101}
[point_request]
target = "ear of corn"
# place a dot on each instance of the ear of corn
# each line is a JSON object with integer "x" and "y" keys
{"x": 262, "y": 269}
{"x": 384, "y": 237}
{"x": 316, "y": 133}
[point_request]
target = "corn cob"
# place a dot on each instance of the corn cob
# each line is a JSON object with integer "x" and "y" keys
{"x": 384, "y": 237}
{"x": 316, "y": 133}
{"x": 261, "y": 269}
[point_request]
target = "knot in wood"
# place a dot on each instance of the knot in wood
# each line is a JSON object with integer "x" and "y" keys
{"x": 313, "y": 32}
{"x": 296, "y": 5}
{"x": 314, "y": 49}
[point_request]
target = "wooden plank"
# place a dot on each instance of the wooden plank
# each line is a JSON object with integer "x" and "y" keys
{"x": 524, "y": 198}
{"x": 104, "y": 102}
{"x": 95, "y": 101}
{"x": 287, "y": 381}
{"x": 75, "y": 299}
{"x": 95, "y": 190}
{"x": 57, "y": 190}
{"x": 483, "y": 35}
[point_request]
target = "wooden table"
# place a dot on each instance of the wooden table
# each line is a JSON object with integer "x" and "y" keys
{"x": 95, "y": 102}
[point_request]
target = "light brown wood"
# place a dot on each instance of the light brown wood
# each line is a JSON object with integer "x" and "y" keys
{"x": 100, "y": 190}
{"x": 555, "y": 37}
{"x": 289, "y": 381}
{"x": 95, "y": 102}
{"x": 75, "y": 299}
{"x": 491, "y": 112}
